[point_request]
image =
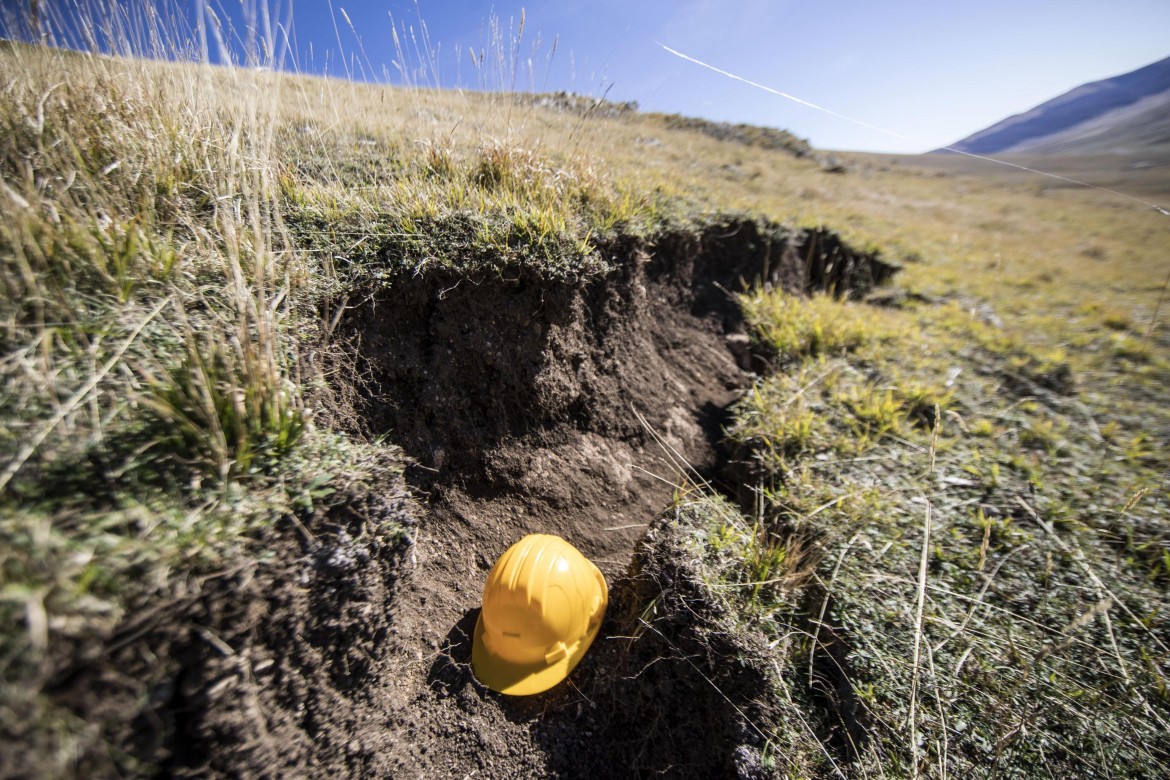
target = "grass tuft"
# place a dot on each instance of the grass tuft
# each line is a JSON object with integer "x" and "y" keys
{"x": 224, "y": 410}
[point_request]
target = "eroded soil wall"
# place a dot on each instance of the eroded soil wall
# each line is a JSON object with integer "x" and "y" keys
{"x": 528, "y": 405}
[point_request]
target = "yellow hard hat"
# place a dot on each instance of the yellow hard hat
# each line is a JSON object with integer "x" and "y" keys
{"x": 543, "y": 603}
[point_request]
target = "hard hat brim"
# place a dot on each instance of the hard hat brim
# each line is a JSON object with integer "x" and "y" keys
{"x": 514, "y": 679}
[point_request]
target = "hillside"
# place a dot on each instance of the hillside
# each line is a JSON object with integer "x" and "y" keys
{"x": 873, "y": 460}
{"x": 1126, "y": 114}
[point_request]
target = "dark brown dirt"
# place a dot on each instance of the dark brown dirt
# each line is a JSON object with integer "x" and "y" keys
{"x": 519, "y": 400}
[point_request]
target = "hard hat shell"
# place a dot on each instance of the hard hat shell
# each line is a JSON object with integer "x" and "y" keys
{"x": 543, "y": 604}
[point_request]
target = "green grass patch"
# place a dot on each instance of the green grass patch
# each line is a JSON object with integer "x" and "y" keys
{"x": 1015, "y": 634}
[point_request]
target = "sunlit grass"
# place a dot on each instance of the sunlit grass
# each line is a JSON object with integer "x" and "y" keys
{"x": 840, "y": 438}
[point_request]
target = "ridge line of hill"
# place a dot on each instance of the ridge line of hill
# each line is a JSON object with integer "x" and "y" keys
{"x": 1095, "y": 102}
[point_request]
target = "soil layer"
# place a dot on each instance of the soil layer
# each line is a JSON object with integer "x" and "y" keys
{"x": 527, "y": 405}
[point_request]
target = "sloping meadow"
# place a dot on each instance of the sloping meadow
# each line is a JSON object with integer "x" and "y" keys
{"x": 183, "y": 430}
{"x": 933, "y": 540}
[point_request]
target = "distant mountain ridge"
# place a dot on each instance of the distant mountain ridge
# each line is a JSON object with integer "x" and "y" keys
{"x": 1126, "y": 113}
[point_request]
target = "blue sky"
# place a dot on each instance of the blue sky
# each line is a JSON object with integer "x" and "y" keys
{"x": 931, "y": 71}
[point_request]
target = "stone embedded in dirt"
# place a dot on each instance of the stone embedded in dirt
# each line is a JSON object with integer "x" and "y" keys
{"x": 740, "y": 345}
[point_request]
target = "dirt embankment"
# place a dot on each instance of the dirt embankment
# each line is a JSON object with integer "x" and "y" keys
{"x": 528, "y": 406}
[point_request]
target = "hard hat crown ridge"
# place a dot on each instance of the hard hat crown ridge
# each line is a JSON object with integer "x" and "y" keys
{"x": 543, "y": 604}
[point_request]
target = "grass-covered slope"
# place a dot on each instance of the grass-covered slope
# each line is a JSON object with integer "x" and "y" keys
{"x": 992, "y": 545}
{"x": 942, "y": 544}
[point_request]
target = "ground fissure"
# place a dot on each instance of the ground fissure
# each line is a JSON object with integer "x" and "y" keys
{"x": 526, "y": 405}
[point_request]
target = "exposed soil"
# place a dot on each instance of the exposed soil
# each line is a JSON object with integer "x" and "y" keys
{"x": 528, "y": 406}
